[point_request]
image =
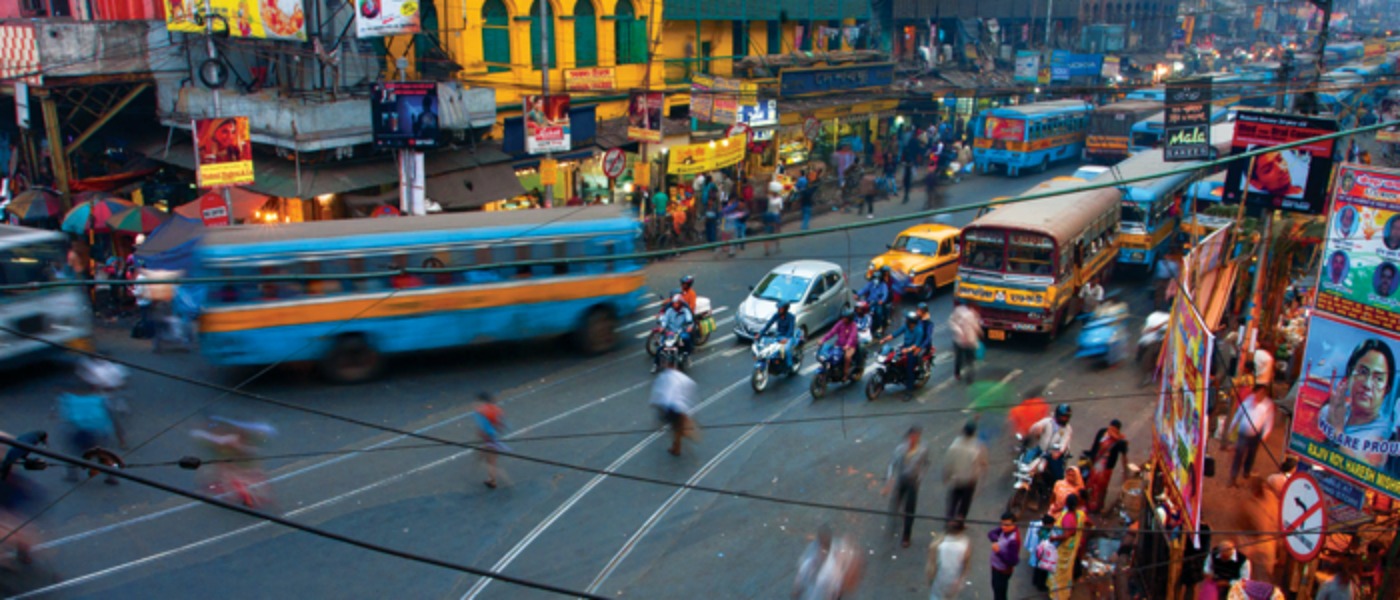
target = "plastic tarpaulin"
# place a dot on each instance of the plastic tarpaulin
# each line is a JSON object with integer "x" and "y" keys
{"x": 171, "y": 246}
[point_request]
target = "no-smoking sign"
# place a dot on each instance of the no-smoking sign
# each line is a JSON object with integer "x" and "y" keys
{"x": 1302, "y": 512}
{"x": 614, "y": 161}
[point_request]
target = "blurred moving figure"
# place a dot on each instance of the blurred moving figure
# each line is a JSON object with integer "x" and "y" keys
{"x": 829, "y": 569}
{"x": 672, "y": 395}
{"x": 234, "y": 445}
{"x": 490, "y": 423}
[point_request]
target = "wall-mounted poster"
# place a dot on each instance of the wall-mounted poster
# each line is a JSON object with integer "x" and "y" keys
{"x": 223, "y": 151}
{"x": 547, "y": 124}
{"x": 270, "y": 19}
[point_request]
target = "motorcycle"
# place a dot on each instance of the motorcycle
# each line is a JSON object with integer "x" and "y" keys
{"x": 889, "y": 369}
{"x": 672, "y": 351}
{"x": 704, "y": 326}
{"x": 831, "y": 366}
{"x": 1027, "y": 482}
{"x": 1154, "y": 330}
{"x": 769, "y": 361}
{"x": 1105, "y": 337}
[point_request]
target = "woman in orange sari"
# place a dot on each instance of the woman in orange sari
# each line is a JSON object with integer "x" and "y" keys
{"x": 1071, "y": 485}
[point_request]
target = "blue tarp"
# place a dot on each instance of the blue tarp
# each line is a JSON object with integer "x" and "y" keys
{"x": 171, "y": 246}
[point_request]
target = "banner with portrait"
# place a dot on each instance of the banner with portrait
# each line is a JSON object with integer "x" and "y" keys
{"x": 644, "y": 113}
{"x": 223, "y": 152}
{"x": 1293, "y": 179}
{"x": 268, "y": 19}
{"x": 1180, "y": 419}
{"x": 379, "y": 18}
{"x": 547, "y": 124}
{"x": 694, "y": 159}
{"x": 1361, "y": 259}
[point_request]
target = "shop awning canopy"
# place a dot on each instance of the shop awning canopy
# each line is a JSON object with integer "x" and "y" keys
{"x": 474, "y": 188}
{"x": 244, "y": 203}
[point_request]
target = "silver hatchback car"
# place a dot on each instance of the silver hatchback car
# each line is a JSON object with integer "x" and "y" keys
{"x": 816, "y": 290}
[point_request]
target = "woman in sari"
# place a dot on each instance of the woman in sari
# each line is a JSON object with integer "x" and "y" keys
{"x": 1071, "y": 485}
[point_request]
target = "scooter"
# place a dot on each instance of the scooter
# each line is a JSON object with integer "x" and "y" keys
{"x": 672, "y": 351}
{"x": 889, "y": 369}
{"x": 704, "y": 325}
{"x": 1104, "y": 337}
{"x": 831, "y": 368}
{"x": 769, "y": 360}
{"x": 1154, "y": 330}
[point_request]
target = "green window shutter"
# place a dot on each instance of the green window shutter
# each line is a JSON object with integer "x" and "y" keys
{"x": 639, "y": 42}
{"x": 536, "y": 32}
{"x": 775, "y": 37}
{"x": 495, "y": 36}
{"x": 585, "y": 34}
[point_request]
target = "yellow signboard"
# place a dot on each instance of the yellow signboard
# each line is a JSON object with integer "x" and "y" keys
{"x": 549, "y": 171}
{"x": 1014, "y": 297}
{"x": 269, "y": 19}
{"x": 706, "y": 156}
{"x": 641, "y": 174}
{"x": 583, "y": 80}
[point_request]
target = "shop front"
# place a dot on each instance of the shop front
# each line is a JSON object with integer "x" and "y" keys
{"x": 812, "y": 129}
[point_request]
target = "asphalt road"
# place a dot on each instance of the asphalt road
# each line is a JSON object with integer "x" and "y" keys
{"x": 556, "y": 525}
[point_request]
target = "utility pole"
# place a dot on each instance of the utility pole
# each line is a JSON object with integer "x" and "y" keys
{"x": 544, "y": 84}
{"x": 1049, "y": 24}
{"x": 214, "y": 54}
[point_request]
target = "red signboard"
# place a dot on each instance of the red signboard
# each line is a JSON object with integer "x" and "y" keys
{"x": 213, "y": 209}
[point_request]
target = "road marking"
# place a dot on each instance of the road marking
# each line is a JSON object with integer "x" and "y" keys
{"x": 650, "y": 319}
{"x": 652, "y": 304}
{"x": 574, "y": 499}
{"x": 941, "y": 386}
{"x": 1054, "y": 383}
{"x": 1012, "y": 375}
{"x": 943, "y": 357}
{"x": 809, "y": 369}
{"x": 676, "y": 496}
{"x": 734, "y": 350}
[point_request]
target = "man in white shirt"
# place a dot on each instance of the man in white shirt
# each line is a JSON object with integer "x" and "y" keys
{"x": 1053, "y": 435}
{"x": 1254, "y": 421}
{"x": 671, "y": 394}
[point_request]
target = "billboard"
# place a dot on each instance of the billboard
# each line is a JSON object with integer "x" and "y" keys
{"x": 1294, "y": 179}
{"x": 1180, "y": 419}
{"x": 644, "y": 112}
{"x": 378, "y": 18}
{"x": 1187, "y": 120}
{"x": 268, "y": 19}
{"x": 547, "y": 124}
{"x": 1027, "y": 66}
{"x": 405, "y": 114}
{"x": 1068, "y": 65}
{"x": 223, "y": 152}
{"x": 694, "y": 159}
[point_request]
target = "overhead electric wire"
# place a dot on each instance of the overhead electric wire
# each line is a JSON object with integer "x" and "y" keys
{"x": 316, "y": 531}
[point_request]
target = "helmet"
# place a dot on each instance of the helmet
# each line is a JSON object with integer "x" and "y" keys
{"x": 885, "y": 270}
{"x": 687, "y": 281}
{"x": 1063, "y": 411}
{"x": 676, "y": 292}
{"x": 862, "y": 308}
{"x": 911, "y": 317}
{"x": 783, "y": 306}
{"x": 923, "y": 306}
{"x": 848, "y": 312}
{"x": 677, "y": 299}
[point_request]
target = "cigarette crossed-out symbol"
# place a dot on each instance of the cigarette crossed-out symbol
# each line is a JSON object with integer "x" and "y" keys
{"x": 1307, "y": 538}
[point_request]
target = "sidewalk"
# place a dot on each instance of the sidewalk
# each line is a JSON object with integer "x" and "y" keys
{"x": 1249, "y": 507}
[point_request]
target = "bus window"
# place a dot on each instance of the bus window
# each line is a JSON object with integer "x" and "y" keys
{"x": 333, "y": 268}
{"x": 483, "y": 255}
{"x": 984, "y": 250}
{"x": 1030, "y": 254}
{"x": 29, "y": 264}
{"x": 1133, "y": 214}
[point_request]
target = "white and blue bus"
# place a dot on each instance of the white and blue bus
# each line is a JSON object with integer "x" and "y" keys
{"x": 1030, "y": 135}
{"x": 35, "y": 323}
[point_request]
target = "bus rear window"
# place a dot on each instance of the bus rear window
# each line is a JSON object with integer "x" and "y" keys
{"x": 1029, "y": 254}
{"x": 33, "y": 263}
{"x": 984, "y": 250}
{"x": 1006, "y": 130}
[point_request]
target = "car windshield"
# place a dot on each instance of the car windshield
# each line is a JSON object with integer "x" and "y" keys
{"x": 782, "y": 288}
{"x": 33, "y": 263}
{"x": 911, "y": 244}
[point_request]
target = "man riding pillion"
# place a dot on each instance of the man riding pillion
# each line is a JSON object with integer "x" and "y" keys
{"x": 688, "y": 291}
{"x": 1053, "y": 435}
{"x": 784, "y": 326}
{"x": 847, "y": 334}
{"x": 676, "y": 318}
{"x": 912, "y": 346}
{"x": 926, "y": 320}
{"x": 877, "y": 292}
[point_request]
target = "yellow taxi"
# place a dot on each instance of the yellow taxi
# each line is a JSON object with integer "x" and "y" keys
{"x": 922, "y": 258}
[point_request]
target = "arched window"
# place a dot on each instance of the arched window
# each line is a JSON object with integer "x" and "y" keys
{"x": 585, "y": 34}
{"x": 495, "y": 36}
{"x": 630, "y": 35}
{"x": 536, "y": 32}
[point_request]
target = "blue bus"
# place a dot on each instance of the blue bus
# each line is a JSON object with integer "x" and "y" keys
{"x": 347, "y": 323}
{"x": 1030, "y": 135}
{"x": 1199, "y": 197}
{"x": 1340, "y": 52}
{"x": 1156, "y": 94}
{"x": 1337, "y": 94}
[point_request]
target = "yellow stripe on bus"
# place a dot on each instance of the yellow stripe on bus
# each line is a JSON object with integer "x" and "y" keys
{"x": 410, "y": 302}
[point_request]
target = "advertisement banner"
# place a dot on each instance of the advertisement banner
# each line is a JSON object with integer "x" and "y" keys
{"x": 1187, "y": 120}
{"x": 378, "y": 18}
{"x": 586, "y": 80}
{"x": 1180, "y": 420}
{"x": 223, "y": 152}
{"x": 845, "y": 78}
{"x": 547, "y": 124}
{"x": 268, "y": 19}
{"x": 1362, "y": 254}
{"x": 1027, "y": 66}
{"x": 644, "y": 111}
{"x": 1112, "y": 67}
{"x": 763, "y": 114}
{"x": 404, "y": 114}
{"x": 1068, "y": 65}
{"x": 699, "y": 158}
{"x": 717, "y": 99}
{"x": 1294, "y": 179}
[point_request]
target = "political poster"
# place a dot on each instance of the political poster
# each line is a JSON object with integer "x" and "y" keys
{"x": 1187, "y": 120}
{"x": 547, "y": 124}
{"x": 378, "y": 18}
{"x": 1180, "y": 419}
{"x": 703, "y": 157}
{"x": 266, "y": 19}
{"x": 1361, "y": 258}
{"x": 223, "y": 151}
{"x": 405, "y": 114}
{"x": 1294, "y": 179}
{"x": 644, "y": 116}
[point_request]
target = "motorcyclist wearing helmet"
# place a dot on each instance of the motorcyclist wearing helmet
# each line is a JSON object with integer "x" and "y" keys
{"x": 677, "y": 317}
{"x": 688, "y": 291}
{"x": 1053, "y": 435}
{"x": 926, "y": 320}
{"x": 913, "y": 333}
{"x": 847, "y": 335}
{"x": 877, "y": 292}
{"x": 784, "y": 326}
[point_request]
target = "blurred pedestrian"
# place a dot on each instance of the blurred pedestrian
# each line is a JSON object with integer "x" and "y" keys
{"x": 1006, "y": 554}
{"x": 868, "y": 189}
{"x": 735, "y": 216}
{"x": 964, "y": 464}
{"x": 905, "y": 472}
{"x": 805, "y": 188}
{"x": 1164, "y": 276}
{"x": 1109, "y": 444}
{"x": 908, "y": 179}
{"x": 89, "y": 422}
{"x": 1030, "y": 411}
{"x": 1341, "y": 586}
{"x": 773, "y": 217}
{"x": 490, "y": 425}
{"x": 234, "y": 445}
{"x": 1069, "y": 534}
{"x": 1254, "y": 421}
{"x": 949, "y": 559}
{"x": 672, "y": 394}
{"x": 15, "y": 454}
{"x": 809, "y": 566}
{"x": 967, "y": 341}
{"x": 1042, "y": 552}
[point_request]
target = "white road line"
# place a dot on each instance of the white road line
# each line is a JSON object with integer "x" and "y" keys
{"x": 115, "y": 569}
{"x": 734, "y": 350}
{"x": 553, "y": 517}
{"x": 941, "y": 386}
{"x": 1054, "y": 383}
{"x": 641, "y": 321}
{"x": 1012, "y": 375}
{"x": 809, "y": 369}
{"x": 676, "y": 497}
{"x": 652, "y": 304}
{"x": 942, "y": 357}
{"x": 720, "y": 310}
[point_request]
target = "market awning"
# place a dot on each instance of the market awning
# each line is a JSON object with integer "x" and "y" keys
{"x": 244, "y": 203}
{"x": 474, "y": 188}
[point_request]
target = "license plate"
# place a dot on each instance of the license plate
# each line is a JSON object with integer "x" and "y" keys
{"x": 996, "y": 334}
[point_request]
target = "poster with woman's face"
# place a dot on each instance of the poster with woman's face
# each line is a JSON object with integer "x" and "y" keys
{"x": 1361, "y": 268}
{"x": 1345, "y": 419}
{"x": 223, "y": 152}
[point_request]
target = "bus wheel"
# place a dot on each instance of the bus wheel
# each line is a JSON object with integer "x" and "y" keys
{"x": 352, "y": 359}
{"x": 598, "y": 332}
